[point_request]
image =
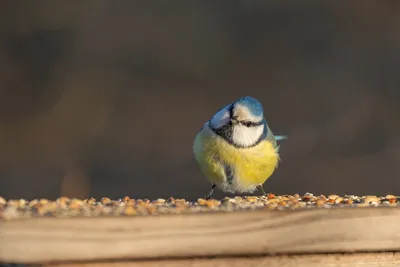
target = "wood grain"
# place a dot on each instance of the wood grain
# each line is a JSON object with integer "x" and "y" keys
{"x": 206, "y": 234}
{"x": 321, "y": 260}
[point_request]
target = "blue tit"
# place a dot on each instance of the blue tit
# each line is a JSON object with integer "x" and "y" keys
{"x": 236, "y": 149}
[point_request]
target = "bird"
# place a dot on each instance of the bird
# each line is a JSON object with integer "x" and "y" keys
{"x": 236, "y": 150}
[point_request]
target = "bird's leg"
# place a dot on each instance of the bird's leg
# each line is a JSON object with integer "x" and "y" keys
{"x": 261, "y": 189}
{"x": 211, "y": 192}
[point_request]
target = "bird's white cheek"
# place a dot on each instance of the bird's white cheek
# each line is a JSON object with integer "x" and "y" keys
{"x": 246, "y": 136}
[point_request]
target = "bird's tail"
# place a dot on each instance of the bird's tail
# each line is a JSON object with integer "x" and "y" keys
{"x": 280, "y": 137}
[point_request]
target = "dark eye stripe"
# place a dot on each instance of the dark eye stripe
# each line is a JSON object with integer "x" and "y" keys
{"x": 226, "y": 133}
{"x": 245, "y": 123}
{"x": 250, "y": 123}
{"x": 230, "y": 111}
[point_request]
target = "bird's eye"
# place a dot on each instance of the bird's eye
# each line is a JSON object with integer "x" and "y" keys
{"x": 247, "y": 123}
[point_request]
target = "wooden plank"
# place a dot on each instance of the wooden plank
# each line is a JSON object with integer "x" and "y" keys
{"x": 203, "y": 234}
{"x": 312, "y": 260}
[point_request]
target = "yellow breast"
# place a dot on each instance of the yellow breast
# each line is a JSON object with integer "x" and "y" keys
{"x": 252, "y": 166}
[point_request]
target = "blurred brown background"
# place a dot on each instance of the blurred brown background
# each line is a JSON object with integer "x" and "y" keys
{"x": 104, "y": 98}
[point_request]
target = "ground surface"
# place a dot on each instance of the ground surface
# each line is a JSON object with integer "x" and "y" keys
{"x": 65, "y": 207}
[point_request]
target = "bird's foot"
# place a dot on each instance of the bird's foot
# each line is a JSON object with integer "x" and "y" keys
{"x": 261, "y": 189}
{"x": 209, "y": 196}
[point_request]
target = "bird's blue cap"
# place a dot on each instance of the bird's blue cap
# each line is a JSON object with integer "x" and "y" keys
{"x": 252, "y": 104}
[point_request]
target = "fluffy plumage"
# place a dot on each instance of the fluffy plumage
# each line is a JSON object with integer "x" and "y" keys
{"x": 236, "y": 149}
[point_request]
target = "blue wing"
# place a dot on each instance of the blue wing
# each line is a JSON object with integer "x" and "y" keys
{"x": 268, "y": 135}
{"x": 228, "y": 173}
{"x": 228, "y": 170}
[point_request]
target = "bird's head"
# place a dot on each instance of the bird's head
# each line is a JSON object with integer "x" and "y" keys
{"x": 241, "y": 123}
{"x": 246, "y": 111}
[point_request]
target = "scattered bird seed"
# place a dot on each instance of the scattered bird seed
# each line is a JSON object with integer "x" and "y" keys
{"x": 126, "y": 206}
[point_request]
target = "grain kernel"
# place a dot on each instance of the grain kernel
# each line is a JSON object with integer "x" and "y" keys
{"x": 33, "y": 202}
{"x": 282, "y": 203}
{"x": 63, "y": 201}
{"x": 371, "y": 200}
{"x": 130, "y": 202}
{"x": 91, "y": 201}
{"x": 10, "y": 213}
{"x": 348, "y": 201}
{"x": 333, "y": 197}
{"x": 307, "y": 197}
{"x": 105, "y": 200}
{"x": 75, "y": 204}
{"x": 390, "y": 197}
{"x": 130, "y": 211}
{"x": 14, "y": 203}
{"x": 320, "y": 202}
{"x": 202, "y": 201}
{"x": 273, "y": 201}
{"x": 338, "y": 200}
{"x": 160, "y": 201}
{"x": 43, "y": 201}
{"x": 213, "y": 203}
{"x": 251, "y": 199}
